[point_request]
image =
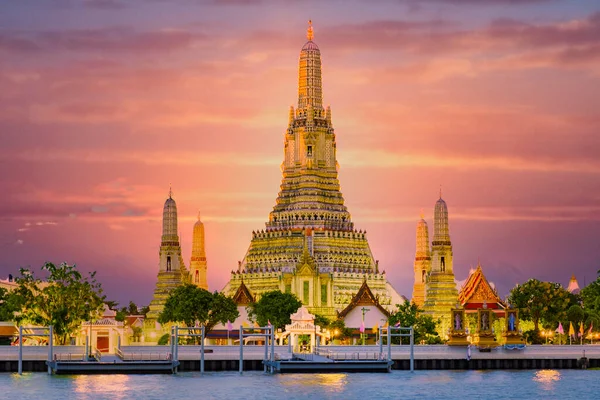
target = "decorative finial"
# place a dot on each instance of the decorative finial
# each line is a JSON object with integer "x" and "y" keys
{"x": 309, "y": 32}
{"x": 440, "y": 190}
{"x": 422, "y": 214}
{"x": 198, "y": 215}
{"x": 170, "y": 191}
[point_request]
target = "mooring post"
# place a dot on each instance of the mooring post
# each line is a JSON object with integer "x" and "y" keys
{"x": 412, "y": 349}
{"x": 20, "y": 350}
{"x": 202, "y": 352}
{"x": 389, "y": 343}
{"x": 273, "y": 349}
{"x": 50, "y": 348}
{"x": 266, "y": 358}
{"x": 241, "y": 350}
{"x": 172, "y": 347}
{"x": 176, "y": 347}
{"x": 380, "y": 341}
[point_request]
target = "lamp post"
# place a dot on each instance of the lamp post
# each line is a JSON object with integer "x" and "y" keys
{"x": 364, "y": 310}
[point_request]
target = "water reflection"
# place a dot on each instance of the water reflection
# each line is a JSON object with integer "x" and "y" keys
{"x": 116, "y": 385}
{"x": 547, "y": 378}
{"x": 330, "y": 382}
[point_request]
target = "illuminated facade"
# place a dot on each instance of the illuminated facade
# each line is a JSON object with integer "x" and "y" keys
{"x": 310, "y": 247}
{"x": 440, "y": 289}
{"x": 198, "y": 260}
{"x": 171, "y": 269}
{"x": 422, "y": 265}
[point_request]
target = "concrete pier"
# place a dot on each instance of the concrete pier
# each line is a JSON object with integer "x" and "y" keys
{"x": 226, "y": 358}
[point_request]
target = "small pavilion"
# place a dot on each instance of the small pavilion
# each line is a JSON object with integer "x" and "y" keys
{"x": 104, "y": 334}
{"x": 303, "y": 323}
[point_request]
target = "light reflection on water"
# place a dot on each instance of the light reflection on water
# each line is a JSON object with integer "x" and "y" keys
{"x": 330, "y": 382}
{"x": 547, "y": 378}
{"x": 114, "y": 385}
{"x": 500, "y": 385}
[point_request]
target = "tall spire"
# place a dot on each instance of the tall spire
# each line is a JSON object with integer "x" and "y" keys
{"x": 310, "y": 90}
{"x": 422, "y": 264}
{"x": 441, "y": 230}
{"x": 169, "y": 231}
{"x": 198, "y": 261}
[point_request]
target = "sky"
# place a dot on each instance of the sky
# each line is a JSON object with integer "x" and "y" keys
{"x": 106, "y": 103}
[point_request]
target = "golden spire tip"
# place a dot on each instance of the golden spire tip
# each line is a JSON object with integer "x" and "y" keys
{"x": 309, "y": 32}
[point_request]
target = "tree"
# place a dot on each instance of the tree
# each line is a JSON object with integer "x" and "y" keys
{"x": 590, "y": 296}
{"x": 409, "y": 314}
{"x": 339, "y": 330}
{"x": 67, "y": 300}
{"x": 274, "y": 306}
{"x": 193, "y": 306}
{"x": 322, "y": 321}
{"x": 9, "y": 303}
{"x": 547, "y": 301}
{"x": 575, "y": 314}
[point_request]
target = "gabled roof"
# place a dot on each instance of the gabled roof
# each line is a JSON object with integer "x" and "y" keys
{"x": 477, "y": 290}
{"x": 243, "y": 296}
{"x": 364, "y": 297}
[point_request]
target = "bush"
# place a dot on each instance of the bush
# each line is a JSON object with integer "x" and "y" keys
{"x": 533, "y": 337}
{"x": 163, "y": 340}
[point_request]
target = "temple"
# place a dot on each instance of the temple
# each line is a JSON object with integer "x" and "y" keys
{"x": 422, "y": 265}
{"x": 171, "y": 269}
{"x": 309, "y": 246}
{"x": 440, "y": 289}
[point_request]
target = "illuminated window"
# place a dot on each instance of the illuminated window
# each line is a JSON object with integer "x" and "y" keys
{"x": 443, "y": 265}
{"x": 309, "y": 151}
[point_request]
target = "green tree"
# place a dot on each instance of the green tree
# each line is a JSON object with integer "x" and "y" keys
{"x": 541, "y": 301}
{"x": 67, "y": 300}
{"x": 590, "y": 296}
{"x": 339, "y": 330}
{"x": 575, "y": 314}
{"x": 9, "y": 303}
{"x": 409, "y": 314}
{"x": 193, "y": 306}
{"x": 322, "y": 321}
{"x": 274, "y": 306}
{"x": 132, "y": 309}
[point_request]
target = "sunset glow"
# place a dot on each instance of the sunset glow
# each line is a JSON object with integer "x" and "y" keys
{"x": 106, "y": 103}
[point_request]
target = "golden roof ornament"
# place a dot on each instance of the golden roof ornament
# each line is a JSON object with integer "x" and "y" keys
{"x": 309, "y": 32}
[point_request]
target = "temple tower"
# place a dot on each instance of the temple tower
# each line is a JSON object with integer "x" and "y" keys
{"x": 422, "y": 265}
{"x": 198, "y": 261}
{"x": 440, "y": 293}
{"x": 309, "y": 246}
{"x": 171, "y": 269}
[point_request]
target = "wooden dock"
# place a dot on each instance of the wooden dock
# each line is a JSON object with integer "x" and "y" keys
{"x": 123, "y": 367}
